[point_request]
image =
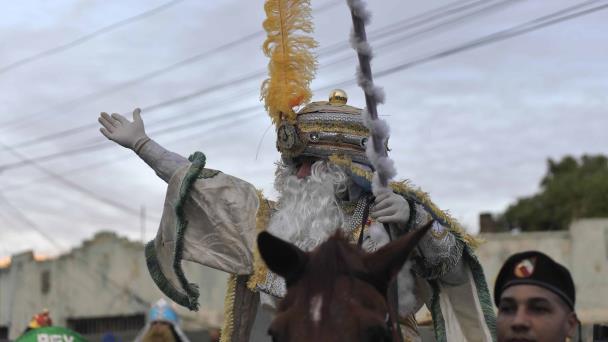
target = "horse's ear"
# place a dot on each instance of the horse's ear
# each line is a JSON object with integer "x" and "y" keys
{"x": 385, "y": 263}
{"x": 282, "y": 257}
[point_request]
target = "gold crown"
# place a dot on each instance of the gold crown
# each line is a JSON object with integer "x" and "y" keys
{"x": 323, "y": 129}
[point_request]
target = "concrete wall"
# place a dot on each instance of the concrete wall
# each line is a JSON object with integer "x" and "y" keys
{"x": 583, "y": 249}
{"x": 107, "y": 276}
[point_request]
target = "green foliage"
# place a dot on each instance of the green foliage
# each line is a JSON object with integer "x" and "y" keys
{"x": 571, "y": 189}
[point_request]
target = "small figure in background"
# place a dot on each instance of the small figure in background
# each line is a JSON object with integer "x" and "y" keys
{"x": 39, "y": 320}
{"x": 162, "y": 325}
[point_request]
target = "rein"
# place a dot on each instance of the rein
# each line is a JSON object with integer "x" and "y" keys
{"x": 392, "y": 297}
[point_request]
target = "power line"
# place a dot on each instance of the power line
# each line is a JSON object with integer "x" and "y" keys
{"x": 145, "y": 77}
{"x": 403, "y": 36}
{"x": 72, "y": 185}
{"x": 121, "y": 86}
{"x": 235, "y": 114}
{"x": 87, "y": 37}
{"x": 241, "y": 119}
{"x": 488, "y": 39}
{"x": 529, "y": 26}
{"x": 518, "y": 30}
{"x": 411, "y": 22}
{"x": 29, "y": 223}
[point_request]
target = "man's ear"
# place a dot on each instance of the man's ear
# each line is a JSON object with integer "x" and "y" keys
{"x": 385, "y": 263}
{"x": 573, "y": 323}
{"x": 282, "y": 257}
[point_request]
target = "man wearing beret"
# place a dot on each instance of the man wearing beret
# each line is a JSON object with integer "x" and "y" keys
{"x": 535, "y": 298}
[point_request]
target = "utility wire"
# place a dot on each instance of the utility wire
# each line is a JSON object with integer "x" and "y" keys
{"x": 403, "y": 36}
{"x": 535, "y": 24}
{"x": 30, "y": 224}
{"x": 238, "y": 119}
{"x": 530, "y": 26}
{"x": 121, "y": 207}
{"x": 87, "y": 37}
{"x": 554, "y": 18}
{"x": 411, "y": 22}
{"x": 419, "y": 19}
{"x": 71, "y": 104}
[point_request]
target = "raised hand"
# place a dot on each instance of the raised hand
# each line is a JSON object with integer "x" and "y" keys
{"x": 117, "y": 128}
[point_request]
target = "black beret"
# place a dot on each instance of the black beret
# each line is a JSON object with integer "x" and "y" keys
{"x": 535, "y": 268}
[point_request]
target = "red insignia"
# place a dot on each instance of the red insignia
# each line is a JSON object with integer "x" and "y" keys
{"x": 525, "y": 268}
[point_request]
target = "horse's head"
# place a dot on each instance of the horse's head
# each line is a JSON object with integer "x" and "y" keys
{"x": 336, "y": 292}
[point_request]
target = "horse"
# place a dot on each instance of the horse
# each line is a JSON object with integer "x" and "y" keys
{"x": 336, "y": 292}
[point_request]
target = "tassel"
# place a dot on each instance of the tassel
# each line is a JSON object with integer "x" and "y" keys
{"x": 292, "y": 65}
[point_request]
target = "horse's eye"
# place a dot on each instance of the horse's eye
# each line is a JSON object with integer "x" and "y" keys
{"x": 377, "y": 333}
{"x": 272, "y": 335}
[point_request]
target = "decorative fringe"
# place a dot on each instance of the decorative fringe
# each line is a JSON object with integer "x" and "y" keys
{"x": 160, "y": 280}
{"x": 438, "y": 322}
{"x": 483, "y": 294}
{"x": 228, "y": 326}
{"x": 260, "y": 270}
{"x": 292, "y": 66}
{"x": 485, "y": 301}
{"x": 198, "y": 160}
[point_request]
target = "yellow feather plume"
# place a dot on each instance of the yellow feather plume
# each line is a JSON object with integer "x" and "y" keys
{"x": 292, "y": 64}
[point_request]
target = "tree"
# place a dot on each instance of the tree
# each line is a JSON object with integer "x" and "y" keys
{"x": 571, "y": 189}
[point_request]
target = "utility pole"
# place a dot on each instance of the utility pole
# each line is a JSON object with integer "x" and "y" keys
{"x": 142, "y": 222}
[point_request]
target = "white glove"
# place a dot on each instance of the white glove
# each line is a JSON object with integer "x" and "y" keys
{"x": 124, "y": 132}
{"x": 390, "y": 208}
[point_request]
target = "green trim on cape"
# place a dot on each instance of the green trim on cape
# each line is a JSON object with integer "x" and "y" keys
{"x": 190, "y": 299}
{"x": 159, "y": 278}
{"x": 485, "y": 300}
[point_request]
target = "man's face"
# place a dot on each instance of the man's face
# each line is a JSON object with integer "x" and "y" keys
{"x": 533, "y": 313}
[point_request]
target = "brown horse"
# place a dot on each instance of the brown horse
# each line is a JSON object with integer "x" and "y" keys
{"x": 337, "y": 292}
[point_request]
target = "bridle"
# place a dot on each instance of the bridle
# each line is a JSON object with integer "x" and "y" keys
{"x": 392, "y": 316}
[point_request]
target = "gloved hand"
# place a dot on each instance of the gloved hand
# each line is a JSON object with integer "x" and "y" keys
{"x": 124, "y": 132}
{"x": 390, "y": 208}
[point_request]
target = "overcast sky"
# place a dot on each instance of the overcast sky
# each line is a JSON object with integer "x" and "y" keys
{"x": 474, "y": 129}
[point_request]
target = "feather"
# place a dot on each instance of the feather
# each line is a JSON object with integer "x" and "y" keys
{"x": 292, "y": 65}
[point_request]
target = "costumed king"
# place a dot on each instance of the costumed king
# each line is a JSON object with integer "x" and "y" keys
{"x": 324, "y": 183}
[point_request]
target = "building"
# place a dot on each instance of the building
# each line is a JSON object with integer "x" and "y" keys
{"x": 104, "y": 284}
{"x": 101, "y": 286}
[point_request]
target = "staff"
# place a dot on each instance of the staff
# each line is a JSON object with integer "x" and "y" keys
{"x": 385, "y": 169}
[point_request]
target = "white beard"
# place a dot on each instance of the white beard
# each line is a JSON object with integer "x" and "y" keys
{"x": 308, "y": 211}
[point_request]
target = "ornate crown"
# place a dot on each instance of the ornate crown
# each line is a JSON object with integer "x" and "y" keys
{"x": 323, "y": 129}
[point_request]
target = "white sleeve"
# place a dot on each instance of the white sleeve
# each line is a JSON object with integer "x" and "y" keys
{"x": 220, "y": 216}
{"x": 161, "y": 160}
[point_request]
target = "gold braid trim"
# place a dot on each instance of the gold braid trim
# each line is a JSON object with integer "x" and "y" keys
{"x": 261, "y": 222}
{"x": 422, "y": 197}
{"x": 354, "y": 129}
{"x": 229, "y": 310}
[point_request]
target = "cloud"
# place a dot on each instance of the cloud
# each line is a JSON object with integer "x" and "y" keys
{"x": 473, "y": 129}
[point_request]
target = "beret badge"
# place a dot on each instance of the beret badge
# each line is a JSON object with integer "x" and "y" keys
{"x": 525, "y": 268}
